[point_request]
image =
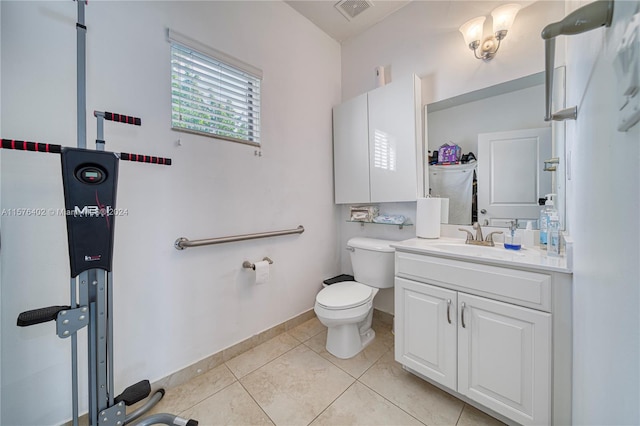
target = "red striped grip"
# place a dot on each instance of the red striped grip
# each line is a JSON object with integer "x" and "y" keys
{"x": 121, "y": 118}
{"x": 145, "y": 159}
{"x": 31, "y": 146}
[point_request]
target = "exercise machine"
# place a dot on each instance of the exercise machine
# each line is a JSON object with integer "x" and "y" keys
{"x": 90, "y": 182}
{"x": 90, "y": 179}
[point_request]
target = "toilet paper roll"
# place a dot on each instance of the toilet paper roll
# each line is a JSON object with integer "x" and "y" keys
{"x": 380, "y": 76}
{"x": 444, "y": 212}
{"x": 262, "y": 272}
{"x": 428, "y": 217}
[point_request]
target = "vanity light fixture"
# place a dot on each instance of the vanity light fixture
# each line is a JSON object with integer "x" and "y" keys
{"x": 471, "y": 30}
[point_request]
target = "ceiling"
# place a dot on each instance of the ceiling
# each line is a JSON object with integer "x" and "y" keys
{"x": 329, "y": 19}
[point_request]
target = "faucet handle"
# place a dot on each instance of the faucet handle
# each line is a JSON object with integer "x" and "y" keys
{"x": 490, "y": 237}
{"x": 469, "y": 234}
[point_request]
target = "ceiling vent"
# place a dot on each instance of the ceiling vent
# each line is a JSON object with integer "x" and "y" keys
{"x": 352, "y": 8}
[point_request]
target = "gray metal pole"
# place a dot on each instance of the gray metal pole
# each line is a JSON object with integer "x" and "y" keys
{"x": 74, "y": 360}
{"x": 81, "y": 30}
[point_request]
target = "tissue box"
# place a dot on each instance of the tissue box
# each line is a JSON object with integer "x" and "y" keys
{"x": 363, "y": 213}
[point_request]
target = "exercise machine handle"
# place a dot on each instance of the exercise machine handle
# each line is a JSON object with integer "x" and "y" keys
{"x": 145, "y": 159}
{"x": 121, "y": 118}
{"x": 31, "y": 146}
{"x": 57, "y": 149}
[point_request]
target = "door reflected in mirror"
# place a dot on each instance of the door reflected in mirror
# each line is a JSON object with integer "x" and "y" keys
{"x": 504, "y": 127}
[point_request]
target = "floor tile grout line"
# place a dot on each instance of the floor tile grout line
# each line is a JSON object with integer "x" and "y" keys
{"x": 262, "y": 365}
{"x": 257, "y": 403}
{"x": 208, "y": 396}
{"x": 341, "y": 368}
{"x": 461, "y": 411}
{"x": 392, "y": 403}
{"x": 268, "y": 362}
{"x": 332, "y": 402}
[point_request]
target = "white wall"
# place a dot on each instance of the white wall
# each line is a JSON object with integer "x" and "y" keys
{"x": 172, "y": 308}
{"x": 423, "y": 38}
{"x": 603, "y": 209}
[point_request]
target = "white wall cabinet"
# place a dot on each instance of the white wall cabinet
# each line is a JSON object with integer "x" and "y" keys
{"x": 492, "y": 352}
{"x": 377, "y": 145}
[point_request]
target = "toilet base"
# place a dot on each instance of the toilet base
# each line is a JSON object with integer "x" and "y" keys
{"x": 345, "y": 341}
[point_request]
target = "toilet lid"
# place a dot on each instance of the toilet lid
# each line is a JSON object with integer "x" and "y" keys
{"x": 347, "y": 294}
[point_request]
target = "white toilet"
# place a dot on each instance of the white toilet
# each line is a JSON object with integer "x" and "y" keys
{"x": 346, "y": 308}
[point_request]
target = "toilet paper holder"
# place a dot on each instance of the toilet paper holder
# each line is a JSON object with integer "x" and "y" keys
{"x": 249, "y": 265}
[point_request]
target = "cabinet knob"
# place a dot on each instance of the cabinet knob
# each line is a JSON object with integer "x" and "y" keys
{"x": 483, "y": 211}
{"x": 449, "y": 310}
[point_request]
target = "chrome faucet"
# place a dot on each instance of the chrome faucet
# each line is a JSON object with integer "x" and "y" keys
{"x": 479, "y": 240}
{"x": 478, "y": 229}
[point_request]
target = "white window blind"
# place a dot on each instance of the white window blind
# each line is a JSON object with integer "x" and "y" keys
{"x": 212, "y": 93}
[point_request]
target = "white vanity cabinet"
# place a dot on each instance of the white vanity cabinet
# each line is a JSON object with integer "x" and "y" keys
{"x": 377, "y": 145}
{"x": 486, "y": 334}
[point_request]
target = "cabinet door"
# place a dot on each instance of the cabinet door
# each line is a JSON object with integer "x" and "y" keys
{"x": 504, "y": 354}
{"x": 394, "y": 115}
{"x": 351, "y": 151}
{"x": 425, "y": 328}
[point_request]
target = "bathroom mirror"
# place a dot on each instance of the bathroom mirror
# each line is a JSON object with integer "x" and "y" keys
{"x": 504, "y": 127}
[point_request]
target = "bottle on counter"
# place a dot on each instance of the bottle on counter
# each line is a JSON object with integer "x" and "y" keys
{"x": 545, "y": 213}
{"x": 530, "y": 237}
{"x": 553, "y": 236}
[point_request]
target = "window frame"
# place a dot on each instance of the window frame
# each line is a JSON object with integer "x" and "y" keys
{"x": 193, "y": 47}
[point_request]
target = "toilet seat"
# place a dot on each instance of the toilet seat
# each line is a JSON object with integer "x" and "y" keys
{"x": 344, "y": 295}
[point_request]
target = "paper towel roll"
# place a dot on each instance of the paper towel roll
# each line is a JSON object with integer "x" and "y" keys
{"x": 428, "y": 217}
{"x": 380, "y": 76}
{"x": 262, "y": 272}
{"x": 444, "y": 212}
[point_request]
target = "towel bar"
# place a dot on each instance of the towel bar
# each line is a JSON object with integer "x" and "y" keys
{"x": 182, "y": 243}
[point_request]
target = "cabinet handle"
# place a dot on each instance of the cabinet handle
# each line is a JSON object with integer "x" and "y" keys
{"x": 462, "y": 315}
{"x": 449, "y": 310}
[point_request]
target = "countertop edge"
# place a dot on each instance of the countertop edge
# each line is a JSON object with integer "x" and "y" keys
{"x": 399, "y": 246}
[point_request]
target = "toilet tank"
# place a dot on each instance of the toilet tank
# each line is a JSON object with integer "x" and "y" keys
{"x": 372, "y": 261}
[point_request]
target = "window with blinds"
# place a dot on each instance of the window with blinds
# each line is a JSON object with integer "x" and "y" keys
{"x": 212, "y": 93}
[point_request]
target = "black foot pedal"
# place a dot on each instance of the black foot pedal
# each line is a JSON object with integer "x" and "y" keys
{"x": 134, "y": 393}
{"x": 37, "y": 316}
{"x": 192, "y": 422}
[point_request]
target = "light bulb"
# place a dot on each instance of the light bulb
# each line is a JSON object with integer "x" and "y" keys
{"x": 503, "y": 17}
{"x": 472, "y": 30}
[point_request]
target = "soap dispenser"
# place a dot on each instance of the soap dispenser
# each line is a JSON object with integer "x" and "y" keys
{"x": 512, "y": 241}
{"x": 547, "y": 211}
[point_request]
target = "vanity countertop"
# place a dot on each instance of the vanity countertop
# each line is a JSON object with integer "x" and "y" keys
{"x": 454, "y": 248}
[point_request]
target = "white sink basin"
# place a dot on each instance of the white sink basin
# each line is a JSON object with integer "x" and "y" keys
{"x": 460, "y": 248}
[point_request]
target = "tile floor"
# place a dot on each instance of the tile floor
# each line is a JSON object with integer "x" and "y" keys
{"x": 292, "y": 380}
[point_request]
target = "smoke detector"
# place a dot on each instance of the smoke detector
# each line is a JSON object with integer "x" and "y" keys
{"x": 352, "y": 8}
